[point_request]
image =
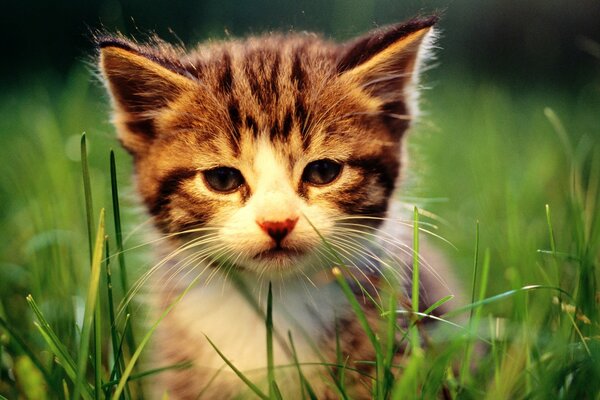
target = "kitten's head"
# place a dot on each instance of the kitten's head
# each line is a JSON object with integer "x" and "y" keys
{"x": 251, "y": 147}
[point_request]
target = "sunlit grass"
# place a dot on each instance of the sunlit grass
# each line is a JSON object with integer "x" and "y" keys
{"x": 513, "y": 175}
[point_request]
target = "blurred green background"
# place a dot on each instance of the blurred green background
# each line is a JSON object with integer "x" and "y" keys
{"x": 511, "y": 123}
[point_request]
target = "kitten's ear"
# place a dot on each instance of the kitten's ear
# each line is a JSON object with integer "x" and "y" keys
{"x": 385, "y": 63}
{"x": 141, "y": 84}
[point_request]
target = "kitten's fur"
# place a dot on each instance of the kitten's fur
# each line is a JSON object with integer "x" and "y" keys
{"x": 268, "y": 107}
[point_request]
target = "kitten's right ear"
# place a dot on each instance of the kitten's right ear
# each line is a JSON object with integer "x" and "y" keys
{"x": 141, "y": 85}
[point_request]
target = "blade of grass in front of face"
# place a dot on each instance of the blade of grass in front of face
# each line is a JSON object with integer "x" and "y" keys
{"x": 56, "y": 346}
{"x": 91, "y": 306}
{"x": 415, "y": 339}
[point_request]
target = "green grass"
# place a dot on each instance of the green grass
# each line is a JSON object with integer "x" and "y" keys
{"x": 513, "y": 176}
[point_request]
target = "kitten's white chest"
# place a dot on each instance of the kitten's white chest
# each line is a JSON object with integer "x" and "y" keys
{"x": 221, "y": 312}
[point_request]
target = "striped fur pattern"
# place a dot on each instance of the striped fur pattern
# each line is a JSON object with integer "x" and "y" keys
{"x": 245, "y": 153}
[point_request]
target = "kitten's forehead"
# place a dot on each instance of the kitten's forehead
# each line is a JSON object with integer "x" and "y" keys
{"x": 286, "y": 89}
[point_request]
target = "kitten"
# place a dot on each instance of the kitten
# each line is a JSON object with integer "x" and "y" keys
{"x": 245, "y": 153}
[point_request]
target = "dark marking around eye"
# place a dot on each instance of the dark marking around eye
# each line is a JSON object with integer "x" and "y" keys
{"x": 386, "y": 171}
{"x": 169, "y": 184}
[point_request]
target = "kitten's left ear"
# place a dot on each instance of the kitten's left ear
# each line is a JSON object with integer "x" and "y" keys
{"x": 385, "y": 63}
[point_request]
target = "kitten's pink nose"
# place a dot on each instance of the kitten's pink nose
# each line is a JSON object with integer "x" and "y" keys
{"x": 278, "y": 229}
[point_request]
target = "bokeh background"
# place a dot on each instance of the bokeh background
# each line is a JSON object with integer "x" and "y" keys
{"x": 511, "y": 116}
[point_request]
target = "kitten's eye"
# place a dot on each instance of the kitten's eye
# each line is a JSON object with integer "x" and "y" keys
{"x": 321, "y": 172}
{"x": 223, "y": 179}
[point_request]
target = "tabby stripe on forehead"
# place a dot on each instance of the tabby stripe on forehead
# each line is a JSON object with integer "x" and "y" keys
{"x": 255, "y": 70}
{"x": 298, "y": 73}
{"x": 274, "y": 78}
{"x": 282, "y": 129}
{"x": 226, "y": 77}
{"x": 236, "y": 122}
{"x": 302, "y": 117}
{"x": 170, "y": 184}
{"x": 252, "y": 125}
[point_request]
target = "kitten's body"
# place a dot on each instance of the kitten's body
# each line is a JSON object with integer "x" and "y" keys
{"x": 252, "y": 154}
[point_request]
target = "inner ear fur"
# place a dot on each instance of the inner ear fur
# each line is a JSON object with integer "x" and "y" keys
{"x": 140, "y": 86}
{"x": 385, "y": 64}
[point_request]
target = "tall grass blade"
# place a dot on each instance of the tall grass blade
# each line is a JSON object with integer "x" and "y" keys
{"x": 150, "y": 372}
{"x": 90, "y": 309}
{"x": 270, "y": 355}
{"x": 119, "y": 239}
{"x": 466, "y": 362}
{"x": 128, "y": 329}
{"x": 114, "y": 334}
{"x": 304, "y": 385}
{"x": 87, "y": 190}
{"x": 502, "y": 296}
{"x": 239, "y": 373}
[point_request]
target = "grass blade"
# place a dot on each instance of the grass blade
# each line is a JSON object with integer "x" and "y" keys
{"x": 305, "y": 386}
{"x": 504, "y": 295}
{"x": 87, "y": 190}
{"x": 270, "y": 355}
{"x": 239, "y": 373}
{"x": 91, "y": 305}
{"x": 119, "y": 239}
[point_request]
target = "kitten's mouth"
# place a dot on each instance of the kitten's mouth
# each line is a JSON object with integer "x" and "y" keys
{"x": 278, "y": 253}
